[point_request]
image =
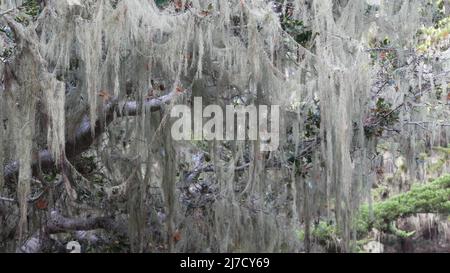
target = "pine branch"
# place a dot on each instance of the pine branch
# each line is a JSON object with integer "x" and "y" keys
{"x": 433, "y": 197}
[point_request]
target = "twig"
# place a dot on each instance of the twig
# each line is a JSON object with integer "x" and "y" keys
{"x": 10, "y": 200}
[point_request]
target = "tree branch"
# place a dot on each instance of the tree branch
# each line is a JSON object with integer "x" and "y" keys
{"x": 85, "y": 135}
{"x": 60, "y": 224}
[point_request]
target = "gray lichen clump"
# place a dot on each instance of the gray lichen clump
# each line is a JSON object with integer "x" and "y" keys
{"x": 85, "y": 129}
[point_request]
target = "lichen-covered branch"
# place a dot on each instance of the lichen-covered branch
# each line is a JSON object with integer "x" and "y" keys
{"x": 59, "y": 223}
{"x": 85, "y": 136}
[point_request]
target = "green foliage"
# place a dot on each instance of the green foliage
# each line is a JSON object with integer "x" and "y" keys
{"x": 400, "y": 233}
{"x": 296, "y": 29}
{"x": 433, "y": 197}
{"x": 114, "y": 3}
{"x": 312, "y": 125}
{"x": 382, "y": 116}
{"x": 31, "y": 8}
{"x": 437, "y": 167}
{"x": 439, "y": 13}
{"x": 324, "y": 232}
{"x": 161, "y": 3}
{"x": 436, "y": 36}
{"x": 201, "y": 144}
{"x": 384, "y": 53}
{"x": 8, "y": 33}
{"x": 301, "y": 235}
{"x": 50, "y": 177}
{"x": 380, "y": 192}
{"x": 21, "y": 19}
{"x": 432, "y": 37}
{"x": 312, "y": 122}
{"x": 7, "y": 52}
{"x": 443, "y": 150}
{"x": 371, "y": 9}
